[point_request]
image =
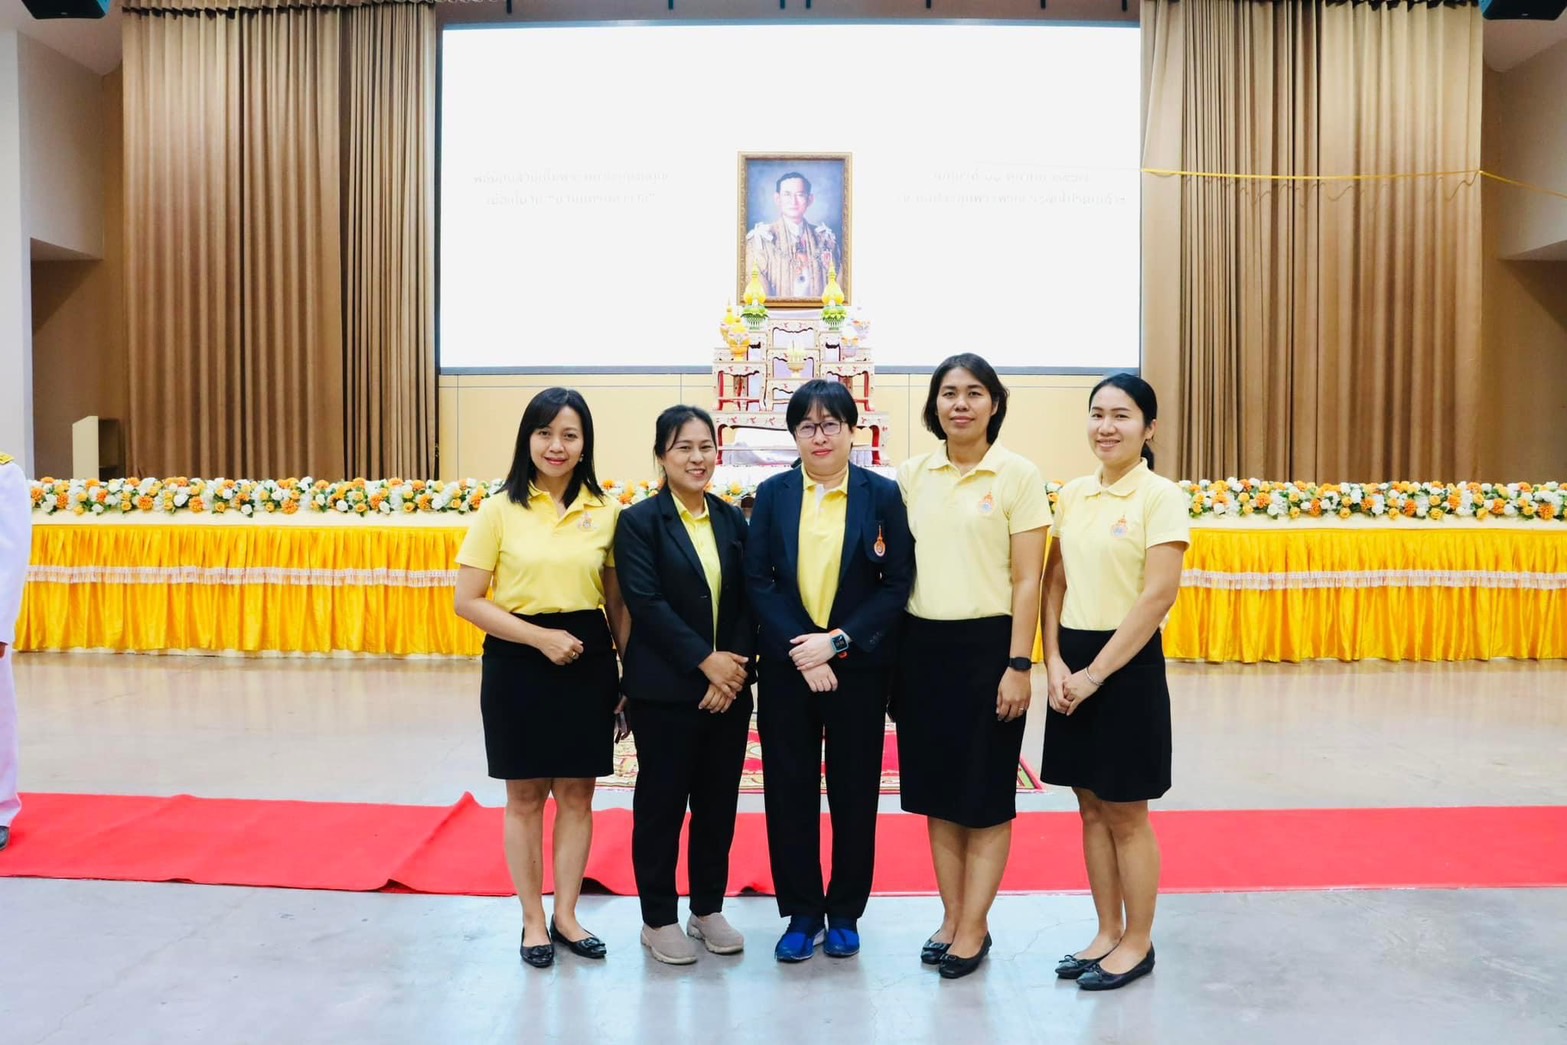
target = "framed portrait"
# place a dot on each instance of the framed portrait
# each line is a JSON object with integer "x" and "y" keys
{"x": 794, "y": 223}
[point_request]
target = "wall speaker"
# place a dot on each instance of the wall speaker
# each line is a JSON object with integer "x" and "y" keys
{"x": 1539, "y": 10}
{"x": 68, "y": 8}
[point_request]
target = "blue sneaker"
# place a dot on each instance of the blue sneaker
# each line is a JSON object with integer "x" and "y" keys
{"x": 799, "y": 941}
{"x": 843, "y": 938}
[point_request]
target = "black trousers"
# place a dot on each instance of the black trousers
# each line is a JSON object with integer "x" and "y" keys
{"x": 685, "y": 755}
{"x": 793, "y": 722}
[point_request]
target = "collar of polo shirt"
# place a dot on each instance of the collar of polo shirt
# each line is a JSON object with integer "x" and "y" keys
{"x": 939, "y": 459}
{"x": 1124, "y": 486}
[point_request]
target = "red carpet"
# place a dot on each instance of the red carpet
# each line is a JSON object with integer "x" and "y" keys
{"x": 456, "y": 850}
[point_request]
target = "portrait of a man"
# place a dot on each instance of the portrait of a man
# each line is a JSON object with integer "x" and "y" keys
{"x": 794, "y": 222}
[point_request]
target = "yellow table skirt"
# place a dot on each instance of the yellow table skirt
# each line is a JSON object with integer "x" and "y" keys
{"x": 1289, "y": 593}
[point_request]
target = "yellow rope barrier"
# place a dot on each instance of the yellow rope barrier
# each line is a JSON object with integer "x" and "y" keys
{"x": 1221, "y": 175}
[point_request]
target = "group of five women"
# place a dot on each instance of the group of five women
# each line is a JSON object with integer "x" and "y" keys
{"x": 845, "y": 598}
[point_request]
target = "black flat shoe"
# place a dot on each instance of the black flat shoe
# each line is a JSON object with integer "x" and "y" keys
{"x": 1070, "y": 968}
{"x": 1096, "y": 979}
{"x": 954, "y": 968}
{"x": 931, "y": 952}
{"x": 541, "y": 957}
{"x": 588, "y": 947}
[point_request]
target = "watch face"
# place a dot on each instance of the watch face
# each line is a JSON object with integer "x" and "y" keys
{"x": 1020, "y": 664}
{"x": 840, "y": 643}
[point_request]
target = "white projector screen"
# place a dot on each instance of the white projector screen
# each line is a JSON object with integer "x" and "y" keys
{"x": 589, "y": 187}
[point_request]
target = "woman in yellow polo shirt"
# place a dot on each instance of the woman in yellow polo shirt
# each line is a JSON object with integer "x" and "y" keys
{"x": 980, "y": 515}
{"x": 550, "y": 683}
{"x": 1113, "y": 574}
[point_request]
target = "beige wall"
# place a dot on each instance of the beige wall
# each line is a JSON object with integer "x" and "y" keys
{"x": 78, "y": 312}
{"x": 1525, "y": 302}
{"x": 479, "y": 415}
{"x": 61, "y": 104}
{"x": 1524, "y": 124}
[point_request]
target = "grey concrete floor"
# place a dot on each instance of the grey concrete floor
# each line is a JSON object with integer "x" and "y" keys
{"x": 97, "y": 962}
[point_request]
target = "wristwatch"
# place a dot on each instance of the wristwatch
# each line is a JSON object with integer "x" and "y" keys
{"x": 840, "y": 643}
{"x": 1020, "y": 664}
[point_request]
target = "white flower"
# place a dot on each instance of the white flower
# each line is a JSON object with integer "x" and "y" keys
{"x": 1510, "y": 510}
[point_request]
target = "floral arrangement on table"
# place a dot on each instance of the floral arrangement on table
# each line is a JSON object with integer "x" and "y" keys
{"x": 1210, "y": 499}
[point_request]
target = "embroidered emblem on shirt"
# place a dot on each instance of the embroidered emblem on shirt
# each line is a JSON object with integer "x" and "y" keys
{"x": 987, "y": 504}
{"x": 586, "y": 523}
{"x": 1119, "y": 528}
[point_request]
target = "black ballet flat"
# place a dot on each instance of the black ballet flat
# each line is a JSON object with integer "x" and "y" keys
{"x": 955, "y": 968}
{"x": 588, "y": 947}
{"x": 541, "y": 957}
{"x": 931, "y": 952}
{"x": 1070, "y": 968}
{"x": 1096, "y": 979}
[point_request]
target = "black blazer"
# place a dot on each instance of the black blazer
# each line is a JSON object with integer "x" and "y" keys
{"x": 873, "y": 586}
{"x": 671, "y": 607}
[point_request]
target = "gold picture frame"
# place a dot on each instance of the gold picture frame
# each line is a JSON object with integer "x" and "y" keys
{"x": 782, "y": 191}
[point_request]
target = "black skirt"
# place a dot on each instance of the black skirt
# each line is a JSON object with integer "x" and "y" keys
{"x": 956, "y": 761}
{"x": 1117, "y": 743}
{"x": 542, "y": 720}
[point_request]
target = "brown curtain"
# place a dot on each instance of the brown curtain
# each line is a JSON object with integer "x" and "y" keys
{"x": 1305, "y": 329}
{"x": 255, "y": 219}
{"x": 389, "y": 240}
{"x": 182, "y": 244}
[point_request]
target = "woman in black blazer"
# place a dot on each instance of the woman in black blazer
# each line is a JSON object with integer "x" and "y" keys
{"x": 687, "y": 674}
{"x": 829, "y": 566}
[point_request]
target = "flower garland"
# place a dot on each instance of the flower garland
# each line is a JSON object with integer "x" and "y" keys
{"x": 1219, "y": 499}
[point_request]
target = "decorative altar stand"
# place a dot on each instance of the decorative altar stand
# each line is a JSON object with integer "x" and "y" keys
{"x": 755, "y": 376}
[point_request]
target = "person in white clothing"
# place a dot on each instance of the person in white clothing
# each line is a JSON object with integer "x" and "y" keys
{"x": 16, "y": 545}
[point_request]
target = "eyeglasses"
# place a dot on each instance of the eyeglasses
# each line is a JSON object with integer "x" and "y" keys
{"x": 808, "y": 429}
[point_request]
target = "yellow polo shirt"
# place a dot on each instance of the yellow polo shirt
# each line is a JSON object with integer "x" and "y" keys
{"x": 823, "y": 515}
{"x": 1105, "y": 533}
{"x": 543, "y": 563}
{"x": 700, "y": 529}
{"x": 963, "y": 527}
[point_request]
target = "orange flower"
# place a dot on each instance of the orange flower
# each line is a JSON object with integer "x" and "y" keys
{"x": 1315, "y": 509}
{"x": 60, "y": 501}
{"x": 1409, "y": 509}
{"x": 1528, "y": 509}
{"x": 361, "y": 508}
{"x": 290, "y": 507}
{"x": 196, "y": 505}
{"x": 144, "y": 503}
{"x": 1497, "y": 507}
{"x": 38, "y": 496}
{"x": 1547, "y": 511}
{"x": 219, "y": 507}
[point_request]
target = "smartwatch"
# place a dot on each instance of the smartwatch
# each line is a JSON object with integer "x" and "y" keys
{"x": 840, "y": 643}
{"x": 1022, "y": 664}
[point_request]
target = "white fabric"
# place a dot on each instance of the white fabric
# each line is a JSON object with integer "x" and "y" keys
{"x": 16, "y": 547}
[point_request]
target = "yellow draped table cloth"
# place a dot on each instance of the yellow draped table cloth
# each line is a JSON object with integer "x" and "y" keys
{"x": 1265, "y": 591}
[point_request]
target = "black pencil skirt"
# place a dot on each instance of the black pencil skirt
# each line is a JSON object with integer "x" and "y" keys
{"x": 543, "y": 720}
{"x": 1117, "y": 743}
{"x": 956, "y": 761}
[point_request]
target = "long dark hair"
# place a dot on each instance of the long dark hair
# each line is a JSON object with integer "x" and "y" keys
{"x": 1142, "y": 394}
{"x": 543, "y": 409}
{"x": 980, "y": 368}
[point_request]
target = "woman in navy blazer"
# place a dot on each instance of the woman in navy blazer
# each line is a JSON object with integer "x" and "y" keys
{"x": 687, "y": 675}
{"x": 829, "y": 566}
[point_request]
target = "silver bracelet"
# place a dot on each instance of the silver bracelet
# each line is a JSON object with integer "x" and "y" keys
{"x": 1096, "y": 682}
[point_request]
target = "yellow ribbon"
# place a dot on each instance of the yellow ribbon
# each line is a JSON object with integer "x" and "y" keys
{"x": 1161, "y": 173}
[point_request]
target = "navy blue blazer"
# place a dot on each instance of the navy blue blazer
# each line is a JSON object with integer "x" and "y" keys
{"x": 667, "y": 595}
{"x": 873, "y": 585}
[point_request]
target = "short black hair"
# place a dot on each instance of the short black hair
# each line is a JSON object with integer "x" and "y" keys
{"x": 778, "y": 185}
{"x": 833, "y": 397}
{"x": 980, "y": 368}
{"x": 541, "y": 411}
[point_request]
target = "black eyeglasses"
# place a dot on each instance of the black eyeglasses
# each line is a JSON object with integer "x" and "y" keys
{"x": 808, "y": 429}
